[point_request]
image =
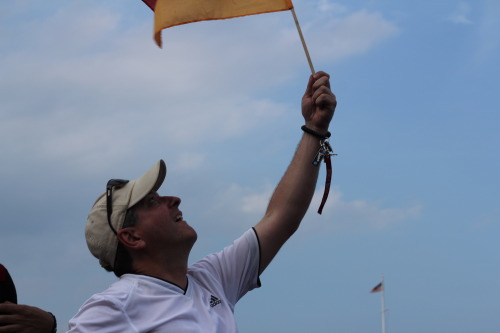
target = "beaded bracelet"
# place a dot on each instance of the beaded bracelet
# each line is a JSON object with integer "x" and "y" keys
{"x": 316, "y": 134}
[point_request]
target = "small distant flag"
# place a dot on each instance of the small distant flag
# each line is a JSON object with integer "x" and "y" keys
{"x": 377, "y": 288}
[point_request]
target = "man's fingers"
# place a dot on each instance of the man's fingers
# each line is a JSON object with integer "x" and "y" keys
{"x": 322, "y": 81}
{"x": 11, "y": 328}
{"x": 327, "y": 103}
{"x": 323, "y": 90}
{"x": 319, "y": 74}
{"x": 6, "y": 305}
{"x": 323, "y": 97}
{"x": 317, "y": 80}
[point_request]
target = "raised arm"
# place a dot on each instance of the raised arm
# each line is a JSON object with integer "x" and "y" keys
{"x": 293, "y": 194}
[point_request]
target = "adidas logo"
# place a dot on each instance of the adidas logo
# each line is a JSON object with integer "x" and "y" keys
{"x": 214, "y": 301}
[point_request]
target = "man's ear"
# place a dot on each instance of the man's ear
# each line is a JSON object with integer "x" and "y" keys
{"x": 130, "y": 238}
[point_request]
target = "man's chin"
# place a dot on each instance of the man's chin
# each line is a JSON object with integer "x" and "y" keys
{"x": 193, "y": 237}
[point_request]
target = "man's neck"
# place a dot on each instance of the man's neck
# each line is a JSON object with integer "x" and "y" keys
{"x": 176, "y": 274}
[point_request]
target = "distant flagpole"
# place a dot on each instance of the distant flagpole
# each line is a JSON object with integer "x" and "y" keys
{"x": 381, "y": 288}
{"x": 303, "y": 41}
{"x": 382, "y": 303}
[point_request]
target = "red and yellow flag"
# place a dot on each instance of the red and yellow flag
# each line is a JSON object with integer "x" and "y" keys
{"x": 169, "y": 13}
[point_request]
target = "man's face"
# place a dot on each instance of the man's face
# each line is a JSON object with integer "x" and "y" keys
{"x": 161, "y": 224}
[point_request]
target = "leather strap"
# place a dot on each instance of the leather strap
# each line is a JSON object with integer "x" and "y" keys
{"x": 328, "y": 181}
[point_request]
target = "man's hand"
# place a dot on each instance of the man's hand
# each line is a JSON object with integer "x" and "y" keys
{"x": 24, "y": 319}
{"x": 318, "y": 103}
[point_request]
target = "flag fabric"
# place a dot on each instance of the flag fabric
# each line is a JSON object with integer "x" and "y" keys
{"x": 377, "y": 288}
{"x": 169, "y": 13}
{"x": 151, "y": 3}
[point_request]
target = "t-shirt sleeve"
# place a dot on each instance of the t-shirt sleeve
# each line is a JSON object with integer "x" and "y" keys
{"x": 236, "y": 267}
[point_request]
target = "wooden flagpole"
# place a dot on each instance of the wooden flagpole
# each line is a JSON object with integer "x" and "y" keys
{"x": 303, "y": 41}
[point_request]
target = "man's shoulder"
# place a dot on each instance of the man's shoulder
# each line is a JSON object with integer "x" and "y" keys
{"x": 133, "y": 287}
{"x": 214, "y": 264}
{"x": 118, "y": 291}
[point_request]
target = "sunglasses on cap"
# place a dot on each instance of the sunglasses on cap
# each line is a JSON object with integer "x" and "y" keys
{"x": 112, "y": 183}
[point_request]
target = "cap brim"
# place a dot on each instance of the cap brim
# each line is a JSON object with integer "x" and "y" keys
{"x": 149, "y": 182}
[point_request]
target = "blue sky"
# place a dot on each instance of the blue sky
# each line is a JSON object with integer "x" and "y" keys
{"x": 85, "y": 95}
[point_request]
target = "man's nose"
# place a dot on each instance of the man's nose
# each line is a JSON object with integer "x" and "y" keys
{"x": 172, "y": 201}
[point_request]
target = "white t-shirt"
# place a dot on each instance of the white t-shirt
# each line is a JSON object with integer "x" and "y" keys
{"x": 139, "y": 303}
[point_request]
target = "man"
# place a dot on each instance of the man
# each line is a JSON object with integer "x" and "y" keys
{"x": 143, "y": 238}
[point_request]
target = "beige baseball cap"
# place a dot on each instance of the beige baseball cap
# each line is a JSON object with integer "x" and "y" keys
{"x": 100, "y": 231}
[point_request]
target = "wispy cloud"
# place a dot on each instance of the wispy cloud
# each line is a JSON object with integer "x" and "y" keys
{"x": 357, "y": 215}
{"x": 189, "y": 161}
{"x": 488, "y": 38}
{"x": 338, "y": 37}
{"x": 330, "y": 6}
{"x": 460, "y": 14}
